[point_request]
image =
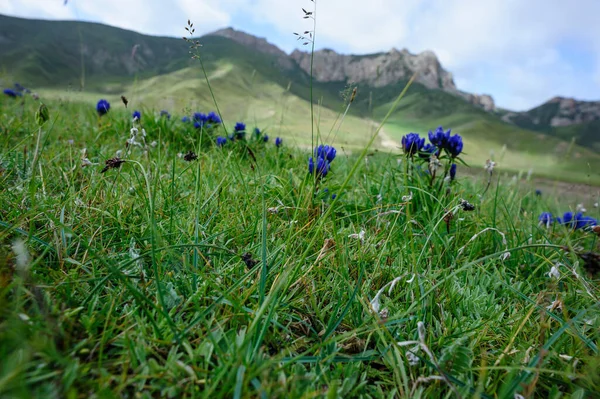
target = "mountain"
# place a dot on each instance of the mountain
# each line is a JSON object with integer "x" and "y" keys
{"x": 565, "y": 118}
{"x": 253, "y": 80}
{"x": 384, "y": 69}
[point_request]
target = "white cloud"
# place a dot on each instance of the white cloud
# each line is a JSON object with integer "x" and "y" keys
{"x": 512, "y": 49}
{"x": 36, "y": 9}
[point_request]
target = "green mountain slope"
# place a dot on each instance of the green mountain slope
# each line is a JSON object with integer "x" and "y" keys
{"x": 255, "y": 86}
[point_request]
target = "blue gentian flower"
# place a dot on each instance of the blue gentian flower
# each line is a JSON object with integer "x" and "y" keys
{"x": 428, "y": 150}
{"x": 412, "y": 143}
{"x": 322, "y": 167}
{"x": 325, "y": 151}
{"x": 455, "y": 146}
{"x": 333, "y": 196}
{"x": 165, "y": 113}
{"x": 439, "y": 138}
{"x": 453, "y": 171}
{"x": 583, "y": 221}
{"x": 11, "y": 93}
{"x": 221, "y": 141}
{"x": 546, "y": 219}
{"x": 137, "y": 115}
{"x": 567, "y": 218}
{"x": 214, "y": 118}
{"x": 240, "y": 127}
{"x": 102, "y": 107}
{"x": 257, "y": 132}
{"x": 265, "y": 138}
{"x": 198, "y": 125}
{"x": 278, "y": 141}
{"x": 538, "y": 192}
{"x": 19, "y": 87}
{"x": 185, "y": 119}
{"x": 200, "y": 117}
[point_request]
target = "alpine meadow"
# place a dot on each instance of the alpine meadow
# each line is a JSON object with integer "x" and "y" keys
{"x": 212, "y": 217}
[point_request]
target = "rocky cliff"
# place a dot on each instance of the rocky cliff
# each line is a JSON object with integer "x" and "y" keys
{"x": 383, "y": 69}
{"x": 559, "y": 111}
{"x": 377, "y": 70}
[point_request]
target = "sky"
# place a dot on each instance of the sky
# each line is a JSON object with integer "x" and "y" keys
{"x": 521, "y": 52}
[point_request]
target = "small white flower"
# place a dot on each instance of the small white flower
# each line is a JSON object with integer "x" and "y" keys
{"x": 132, "y": 142}
{"x": 180, "y": 154}
{"x": 413, "y": 360}
{"x": 273, "y": 210}
{"x": 134, "y": 131}
{"x": 360, "y": 236}
{"x": 556, "y": 304}
{"x": 23, "y": 258}
{"x": 434, "y": 164}
{"x": 505, "y": 256}
{"x": 554, "y": 273}
{"x": 86, "y": 162}
{"x": 519, "y": 396}
{"x": 580, "y": 208}
{"x": 153, "y": 144}
{"x": 384, "y": 313}
{"x": 596, "y": 205}
{"x": 119, "y": 153}
{"x": 144, "y": 133}
{"x": 71, "y": 141}
{"x": 406, "y": 198}
{"x": 489, "y": 166}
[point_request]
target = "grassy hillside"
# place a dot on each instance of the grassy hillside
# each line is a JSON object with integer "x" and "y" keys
{"x": 250, "y": 84}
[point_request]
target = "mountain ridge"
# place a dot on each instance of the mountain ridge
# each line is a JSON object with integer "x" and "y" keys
{"x": 84, "y": 53}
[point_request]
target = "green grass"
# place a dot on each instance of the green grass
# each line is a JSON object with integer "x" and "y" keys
{"x": 236, "y": 275}
{"x": 274, "y": 92}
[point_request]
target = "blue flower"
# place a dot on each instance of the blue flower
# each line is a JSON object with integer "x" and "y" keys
{"x": 221, "y": 141}
{"x": 428, "y": 150}
{"x": 567, "y": 218}
{"x": 11, "y": 93}
{"x": 278, "y": 142}
{"x": 439, "y": 138}
{"x": 165, "y": 113}
{"x": 257, "y": 132}
{"x": 240, "y": 127}
{"x": 455, "y": 146}
{"x": 583, "y": 221}
{"x": 322, "y": 167}
{"x": 546, "y": 219}
{"x": 453, "y": 171}
{"x": 538, "y": 192}
{"x": 19, "y": 87}
{"x": 333, "y": 196}
{"x": 265, "y": 138}
{"x": 185, "y": 119}
{"x": 200, "y": 117}
{"x": 102, "y": 107}
{"x": 198, "y": 125}
{"x": 213, "y": 118}
{"x": 137, "y": 115}
{"x": 326, "y": 152}
{"x": 412, "y": 143}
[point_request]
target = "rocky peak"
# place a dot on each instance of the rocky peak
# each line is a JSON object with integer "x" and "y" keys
{"x": 558, "y": 111}
{"x": 382, "y": 69}
{"x": 377, "y": 70}
{"x": 257, "y": 43}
